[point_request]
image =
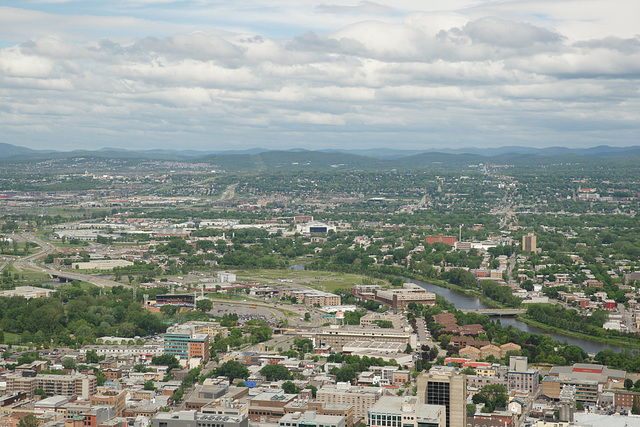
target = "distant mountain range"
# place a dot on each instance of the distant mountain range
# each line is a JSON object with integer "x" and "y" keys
{"x": 382, "y": 158}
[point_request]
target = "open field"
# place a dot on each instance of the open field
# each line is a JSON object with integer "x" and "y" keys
{"x": 322, "y": 280}
{"x": 11, "y": 338}
{"x": 30, "y": 276}
{"x": 59, "y": 244}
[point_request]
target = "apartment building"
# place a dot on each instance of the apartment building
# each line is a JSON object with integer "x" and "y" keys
{"x": 361, "y": 398}
{"x": 62, "y": 385}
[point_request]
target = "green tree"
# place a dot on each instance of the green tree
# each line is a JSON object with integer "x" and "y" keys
{"x": 313, "y": 389}
{"x": 148, "y": 385}
{"x": 204, "y": 305}
{"x": 493, "y": 396}
{"x": 165, "y": 360}
{"x": 628, "y": 384}
{"x": 346, "y": 374}
{"x": 303, "y": 345}
{"x": 69, "y": 363}
{"x": 169, "y": 309}
{"x": 232, "y": 369}
{"x": 276, "y": 373}
{"x": 29, "y": 420}
{"x": 101, "y": 378}
{"x": 92, "y": 356}
{"x": 290, "y": 388}
{"x": 387, "y": 324}
{"x": 261, "y": 334}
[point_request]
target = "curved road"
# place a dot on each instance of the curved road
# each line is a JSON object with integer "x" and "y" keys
{"x": 28, "y": 262}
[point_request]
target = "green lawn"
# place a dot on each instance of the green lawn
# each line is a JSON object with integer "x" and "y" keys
{"x": 321, "y": 280}
{"x": 29, "y": 275}
{"x": 232, "y": 297}
{"x": 11, "y": 338}
{"x": 59, "y": 244}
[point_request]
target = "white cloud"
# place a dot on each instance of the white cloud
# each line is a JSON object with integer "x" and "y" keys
{"x": 477, "y": 73}
{"x": 364, "y": 7}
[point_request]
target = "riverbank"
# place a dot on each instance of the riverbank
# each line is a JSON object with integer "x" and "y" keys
{"x": 459, "y": 289}
{"x": 618, "y": 342}
{"x": 469, "y": 299}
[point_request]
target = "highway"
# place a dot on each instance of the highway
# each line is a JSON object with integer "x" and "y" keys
{"x": 29, "y": 263}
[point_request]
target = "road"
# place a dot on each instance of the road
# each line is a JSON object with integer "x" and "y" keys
{"x": 421, "y": 327}
{"x": 29, "y": 263}
{"x": 5, "y": 263}
{"x": 627, "y": 317}
{"x": 189, "y": 391}
{"x": 229, "y": 193}
{"x": 525, "y": 412}
{"x": 511, "y": 263}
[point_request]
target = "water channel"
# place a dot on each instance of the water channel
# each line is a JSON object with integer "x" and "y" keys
{"x": 466, "y": 302}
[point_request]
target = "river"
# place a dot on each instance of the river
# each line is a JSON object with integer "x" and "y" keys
{"x": 466, "y": 302}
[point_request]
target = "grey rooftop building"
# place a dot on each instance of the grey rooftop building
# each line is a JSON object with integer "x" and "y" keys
{"x": 193, "y": 419}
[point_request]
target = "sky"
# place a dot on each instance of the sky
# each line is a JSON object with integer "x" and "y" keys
{"x": 317, "y": 74}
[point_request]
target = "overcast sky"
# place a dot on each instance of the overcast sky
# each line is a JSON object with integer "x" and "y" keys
{"x": 235, "y": 74}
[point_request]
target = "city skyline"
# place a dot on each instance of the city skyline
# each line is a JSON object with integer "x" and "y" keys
{"x": 209, "y": 75}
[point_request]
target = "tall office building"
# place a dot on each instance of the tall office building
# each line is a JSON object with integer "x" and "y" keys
{"x": 529, "y": 243}
{"x": 443, "y": 386}
{"x": 182, "y": 342}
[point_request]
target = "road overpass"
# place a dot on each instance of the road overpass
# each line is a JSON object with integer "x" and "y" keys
{"x": 30, "y": 262}
{"x": 70, "y": 277}
{"x": 497, "y": 312}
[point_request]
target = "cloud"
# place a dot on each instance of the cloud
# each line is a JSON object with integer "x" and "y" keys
{"x": 484, "y": 74}
{"x": 501, "y": 33}
{"x": 364, "y": 8}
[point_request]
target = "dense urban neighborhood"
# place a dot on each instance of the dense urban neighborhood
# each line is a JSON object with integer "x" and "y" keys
{"x": 319, "y": 291}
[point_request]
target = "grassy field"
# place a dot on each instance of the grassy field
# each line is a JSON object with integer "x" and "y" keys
{"x": 59, "y": 244}
{"x": 11, "y": 338}
{"x": 232, "y": 297}
{"x": 30, "y": 276}
{"x": 321, "y": 280}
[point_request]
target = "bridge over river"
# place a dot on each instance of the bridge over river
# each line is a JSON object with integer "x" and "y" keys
{"x": 497, "y": 312}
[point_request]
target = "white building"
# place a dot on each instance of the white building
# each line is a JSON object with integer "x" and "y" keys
{"x": 105, "y": 264}
{"x": 405, "y": 411}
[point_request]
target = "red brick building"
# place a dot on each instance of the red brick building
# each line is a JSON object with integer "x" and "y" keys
{"x": 447, "y": 240}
